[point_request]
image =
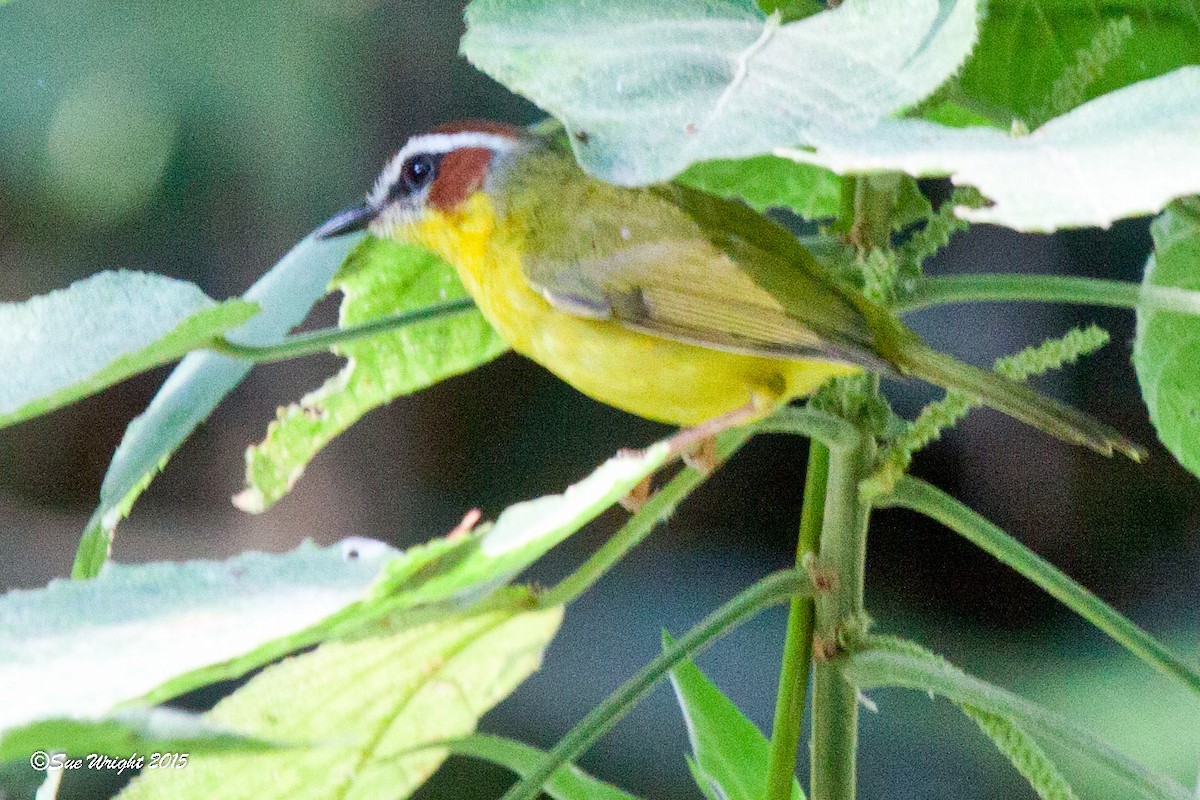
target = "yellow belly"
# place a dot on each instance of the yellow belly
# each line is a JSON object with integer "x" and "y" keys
{"x": 656, "y": 378}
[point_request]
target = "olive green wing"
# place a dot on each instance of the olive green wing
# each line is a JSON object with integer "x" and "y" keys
{"x": 687, "y": 266}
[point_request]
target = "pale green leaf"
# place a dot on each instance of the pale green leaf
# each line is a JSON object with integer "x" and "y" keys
{"x": 568, "y": 783}
{"x": 372, "y": 706}
{"x": 124, "y": 733}
{"x": 1125, "y": 154}
{"x": 729, "y": 753}
{"x": 379, "y": 278}
{"x": 647, "y": 87}
{"x": 285, "y": 295}
{"x": 765, "y": 182}
{"x": 1166, "y": 346}
{"x": 430, "y": 581}
{"x": 77, "y": 649}
{"x": 885, "y": 661}
{"x": 60, "y": 347}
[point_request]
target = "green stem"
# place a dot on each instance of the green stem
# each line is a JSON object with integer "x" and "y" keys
{"x": 875, "y": 203}
{"x": 321, "y": 341}
{"x": 802, "y": 421}
{"x": 797, "y": 648}
{"x": 926, "y": 499}
{"x": 775, "y": 588}
{"x": 1003, "y": 287}
{"x": 828, "y": 428}
{"x": 639, "y": 526}
{"x": 844, "y": 220}
{"x": 839, "y": 614}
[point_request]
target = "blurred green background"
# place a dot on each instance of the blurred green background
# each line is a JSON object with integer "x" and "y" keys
{"x": 201, "y": 140}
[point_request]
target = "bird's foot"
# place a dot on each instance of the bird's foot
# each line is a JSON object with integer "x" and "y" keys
{"x": 698, "y": 437}
{"x": 703, "y": 457}
{"x": 638, "y": 495}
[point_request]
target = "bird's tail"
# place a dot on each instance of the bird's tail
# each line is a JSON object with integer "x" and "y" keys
{"x": 914, "y": 357}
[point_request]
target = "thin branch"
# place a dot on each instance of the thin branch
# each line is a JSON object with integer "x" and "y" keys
{"x": 797, "y": 648}
{"x": 305, "y": 344}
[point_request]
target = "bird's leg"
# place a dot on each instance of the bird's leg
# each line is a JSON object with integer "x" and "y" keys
{"x": 703, "y": 457}
{"x": 699, "y": 441}
{"x": 697, "y": 445}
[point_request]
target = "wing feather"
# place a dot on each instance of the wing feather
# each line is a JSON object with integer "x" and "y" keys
{"x": 676, "y": 263}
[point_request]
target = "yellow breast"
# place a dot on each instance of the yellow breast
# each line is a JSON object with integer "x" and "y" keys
{"x": 652, "y": 377}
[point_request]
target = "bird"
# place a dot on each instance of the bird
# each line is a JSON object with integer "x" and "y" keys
{"x": 664, "y": 301}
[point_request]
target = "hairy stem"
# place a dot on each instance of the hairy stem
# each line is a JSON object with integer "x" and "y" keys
{"x": 992, "y": 288}
{"x": 775, "y": 588}
{"x": 797, "y": 648}
{"x": 839, "y": 612}
{"x": 919, "y": 496}
{"x": 842, "y": 544}
{"x": 305, "y": 344}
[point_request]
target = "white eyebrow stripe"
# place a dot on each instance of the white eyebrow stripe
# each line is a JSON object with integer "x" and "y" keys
{"x": 436, "y": 144}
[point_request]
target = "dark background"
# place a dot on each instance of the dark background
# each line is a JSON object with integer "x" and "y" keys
{"x": 202, "y": 140}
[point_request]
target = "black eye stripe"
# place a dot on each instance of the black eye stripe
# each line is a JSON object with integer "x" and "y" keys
{"x": 417, "y": 172}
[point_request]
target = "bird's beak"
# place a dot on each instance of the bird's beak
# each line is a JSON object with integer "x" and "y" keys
{"x": 351, "y": 219}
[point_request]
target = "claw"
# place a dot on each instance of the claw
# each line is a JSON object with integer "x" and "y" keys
{"x": 464, "y": 528}
{"x": 638, "y": 495}
{"x": 703, "y": 457}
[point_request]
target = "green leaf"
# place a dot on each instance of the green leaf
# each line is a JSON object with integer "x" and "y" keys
{"x": 647, "y": 87}
{"x": 60, "y": 347}
{"x": 885, "y": 661}
{"x": 1166, "y": 346}
{"x": 953, "y": 115}
{"x": 765, "y": 182}
{"x": 373, "y": 705}
{"x": 124, "y": 733}
{"x": 285, "y": 295}
{"x": 379, "y": 278}
{"x": 1125, "y": 154}
{"x": 790, "y": 10}
{"x": 568, "y": 783}
{"x": 1037, "y": 59}
{"x": 77, "y": 649}
{"x": 730, "y": 753}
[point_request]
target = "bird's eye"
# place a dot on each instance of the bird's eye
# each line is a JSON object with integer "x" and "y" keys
{"x": 416, "y": 173}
